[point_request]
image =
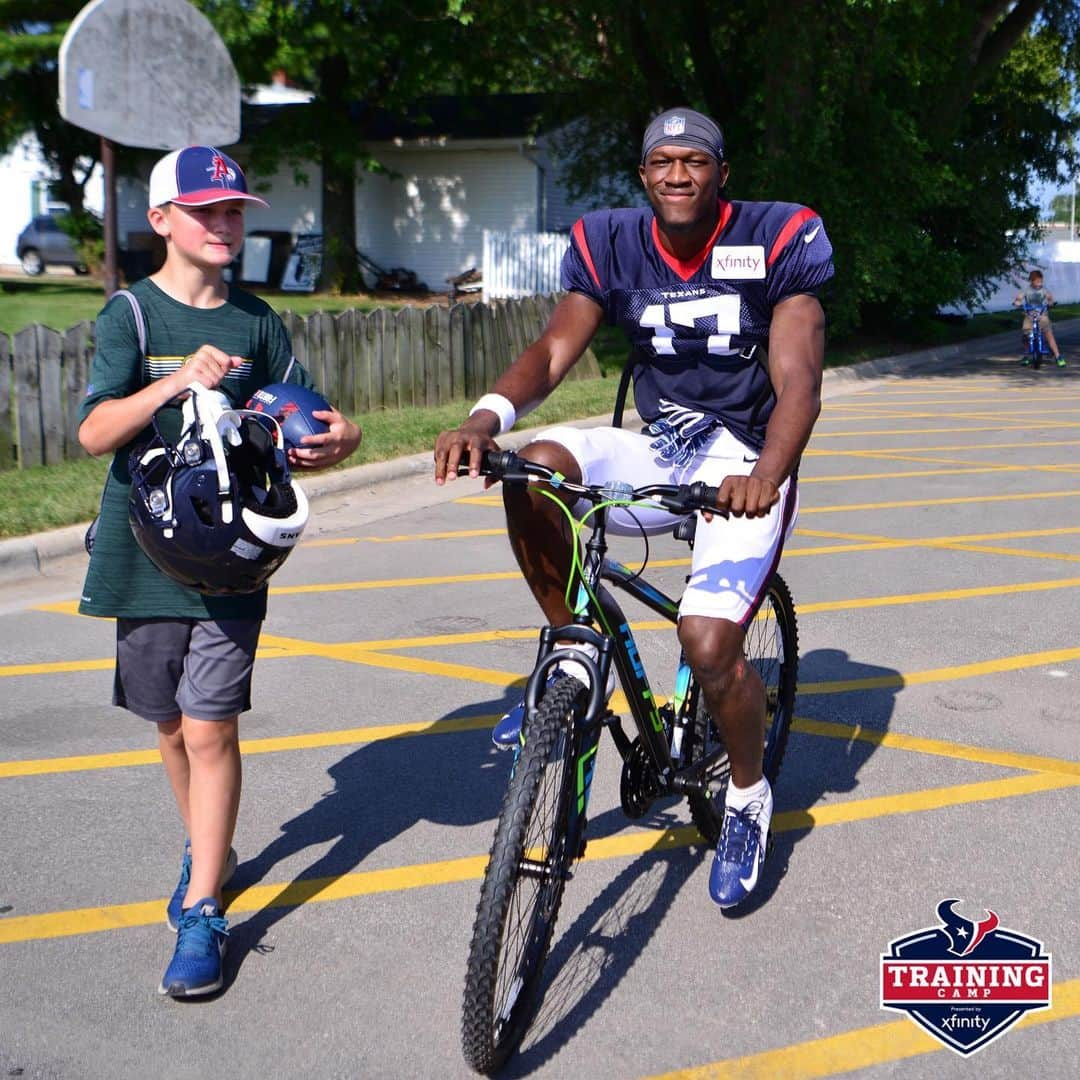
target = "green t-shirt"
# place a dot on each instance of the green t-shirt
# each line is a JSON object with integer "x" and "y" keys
{"x": 121, "y": 580}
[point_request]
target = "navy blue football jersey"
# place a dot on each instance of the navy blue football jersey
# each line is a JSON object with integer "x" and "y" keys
{"x": 692, "y": 325}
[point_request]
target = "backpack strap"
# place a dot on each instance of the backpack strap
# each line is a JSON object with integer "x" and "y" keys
{"x": 140, "y": 321}
{"x": 140, "y": 329}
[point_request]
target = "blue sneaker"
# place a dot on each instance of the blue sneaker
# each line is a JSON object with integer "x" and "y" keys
{"x": 507, "y": 732}
{"x": 176, "y": 901}
{"x": 740, "y": 854}
{"x": 200, "y": 945}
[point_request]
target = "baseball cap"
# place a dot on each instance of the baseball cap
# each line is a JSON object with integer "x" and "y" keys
{"x": 683, "y": 127}
{"x": 198, "y": 176}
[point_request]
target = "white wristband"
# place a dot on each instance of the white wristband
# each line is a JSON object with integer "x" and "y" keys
{"x": 501, "y": 406}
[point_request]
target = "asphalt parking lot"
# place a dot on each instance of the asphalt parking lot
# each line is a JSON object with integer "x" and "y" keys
{"x": 934, "y": 755}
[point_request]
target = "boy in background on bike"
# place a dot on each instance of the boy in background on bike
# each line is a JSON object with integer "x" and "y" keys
{"x": 701, "y": 286}
{"x": 1035, "y": 296}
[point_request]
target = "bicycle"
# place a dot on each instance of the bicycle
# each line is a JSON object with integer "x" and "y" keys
{"x": 677, "y": 751}
{"x": 1033, "y": 338}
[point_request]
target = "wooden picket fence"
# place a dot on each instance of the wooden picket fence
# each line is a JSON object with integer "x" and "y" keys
{"x": 363, "y": 362}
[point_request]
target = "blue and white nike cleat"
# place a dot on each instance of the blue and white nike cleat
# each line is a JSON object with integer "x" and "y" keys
{"x": 507, "y": 732}
{"x": 740, "y": 854}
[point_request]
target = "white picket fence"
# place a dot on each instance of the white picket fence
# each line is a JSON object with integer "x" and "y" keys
{"x": 522, "y": 264}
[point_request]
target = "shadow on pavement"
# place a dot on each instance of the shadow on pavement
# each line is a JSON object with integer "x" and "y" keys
{"x": 380, "y": 791}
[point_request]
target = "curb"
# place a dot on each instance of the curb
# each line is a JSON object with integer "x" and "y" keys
{"x": 25, "y": 556}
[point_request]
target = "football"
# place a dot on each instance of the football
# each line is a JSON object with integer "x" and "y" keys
{"x": 292, "y": 407}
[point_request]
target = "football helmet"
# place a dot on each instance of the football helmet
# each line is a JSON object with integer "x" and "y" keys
{"x": 217, "y": 510}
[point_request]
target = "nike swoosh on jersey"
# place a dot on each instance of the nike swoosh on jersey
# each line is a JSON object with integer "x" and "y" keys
{"x": 811, "y": 234}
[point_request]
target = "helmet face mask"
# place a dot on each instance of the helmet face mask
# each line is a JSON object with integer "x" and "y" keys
{"x": 218, "y": 510}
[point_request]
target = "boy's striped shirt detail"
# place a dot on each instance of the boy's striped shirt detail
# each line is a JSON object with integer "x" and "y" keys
{"x": 160, "y": 367}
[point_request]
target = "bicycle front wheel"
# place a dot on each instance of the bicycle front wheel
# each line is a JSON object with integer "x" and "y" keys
{"x": 523, "y": 884}
{"x": 772, "y": 647}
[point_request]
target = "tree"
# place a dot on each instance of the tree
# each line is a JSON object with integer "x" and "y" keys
{"x": 359, "y": 59}
{"x": 32, "y": 31}
{"x": 915, "y": 128}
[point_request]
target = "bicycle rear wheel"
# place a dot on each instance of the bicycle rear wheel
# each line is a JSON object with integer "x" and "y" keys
{"x": 772, "y": 646}
{"x": 523, "y": 884}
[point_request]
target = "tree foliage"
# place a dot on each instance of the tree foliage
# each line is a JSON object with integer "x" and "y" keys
{"x": 358, "y": 59}
{"x": 916, "y": 128}
{"x": 30, "y": 35}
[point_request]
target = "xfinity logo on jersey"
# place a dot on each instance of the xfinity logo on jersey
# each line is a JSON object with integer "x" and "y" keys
{"x": 965, "y": 982}
{"x": 738, "y": 263}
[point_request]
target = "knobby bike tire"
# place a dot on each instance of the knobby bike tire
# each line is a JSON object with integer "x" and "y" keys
{"x": 772, "y": 646}
{"x": 523, "y": 884}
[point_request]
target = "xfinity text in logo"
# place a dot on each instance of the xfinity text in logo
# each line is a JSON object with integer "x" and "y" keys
{"x": 738, "y": 263}
{"x": 965, "y": 981}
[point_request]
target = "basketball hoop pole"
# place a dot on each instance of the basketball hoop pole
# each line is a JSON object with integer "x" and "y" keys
{"x": 108, "y": 164}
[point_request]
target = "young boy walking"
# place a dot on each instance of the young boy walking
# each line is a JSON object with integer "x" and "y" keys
{"x": 183, "y": 659}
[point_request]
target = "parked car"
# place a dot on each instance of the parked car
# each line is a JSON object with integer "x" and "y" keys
{"x": 44, "y": 243}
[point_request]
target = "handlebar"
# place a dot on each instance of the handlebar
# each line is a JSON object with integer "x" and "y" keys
{"x": 510, "y": 468}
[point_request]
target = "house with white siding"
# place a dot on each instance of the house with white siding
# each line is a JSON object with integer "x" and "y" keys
{"x": 468, "y": 167}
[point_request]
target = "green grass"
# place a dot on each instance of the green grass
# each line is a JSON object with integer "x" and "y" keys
{"x": 51, "y": 496}
{"x": 60, "y": 302}
{"x": 48, "y": 497}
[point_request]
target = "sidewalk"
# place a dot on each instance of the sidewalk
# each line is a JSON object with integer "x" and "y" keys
{"x": 24, "y": 557}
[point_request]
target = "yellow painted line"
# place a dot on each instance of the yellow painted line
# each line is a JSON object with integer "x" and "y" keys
{"x": 393, "y": 583}
{"x": 899, "y": 412}
{"x": 936, "y": 596}
{"x": 960, "y": 538}
{"x": 916, "y": 744}
{"x": 1048, "y": 426}
{"x": 423, "y": 875}
{"x": 469, "y": 534}
{"x": 901, "y": 504}
{"x": 898, "y": 504}
{"x": 963, "y": 447}
{"x": 365, "y": 651}
{"x": 457, "y": 534}
{"x": 945, "y": 674}
{"x": 1021, "y": 553}
{"x": 62, "y": 667}
{"x": 909, "y": 473}
{"x": 57, "y": 667}
{"x": 860, "y": 401}
{"x": 859, "y": 543}
{"x": 861, "y": 1048}
{"x": 277, "y": 744}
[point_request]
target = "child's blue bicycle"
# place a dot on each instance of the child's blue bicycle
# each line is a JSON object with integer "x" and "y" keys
{"x": 1033, "y": 338}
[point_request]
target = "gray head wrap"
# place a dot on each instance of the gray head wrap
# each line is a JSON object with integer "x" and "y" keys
{"x": 683, "y": 127}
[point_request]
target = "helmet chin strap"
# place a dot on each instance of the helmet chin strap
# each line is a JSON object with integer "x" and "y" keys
{"x": 208, "y": 414}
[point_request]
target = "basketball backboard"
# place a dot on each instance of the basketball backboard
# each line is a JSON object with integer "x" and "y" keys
{"x": 149, "y": 73}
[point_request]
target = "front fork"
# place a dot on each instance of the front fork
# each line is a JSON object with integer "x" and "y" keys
{"x": 587, "y": 722}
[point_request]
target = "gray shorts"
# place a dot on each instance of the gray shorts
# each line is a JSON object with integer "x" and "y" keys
{"x": 201, "y": 668}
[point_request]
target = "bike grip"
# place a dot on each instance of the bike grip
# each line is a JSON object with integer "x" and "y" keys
{"x": 704, "y": 495}
{"x": 497, "y": 462}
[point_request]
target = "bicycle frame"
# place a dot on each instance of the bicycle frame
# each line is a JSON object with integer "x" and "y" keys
{"x": 615, "y": 642}
{"x": 1036, "y": 342}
